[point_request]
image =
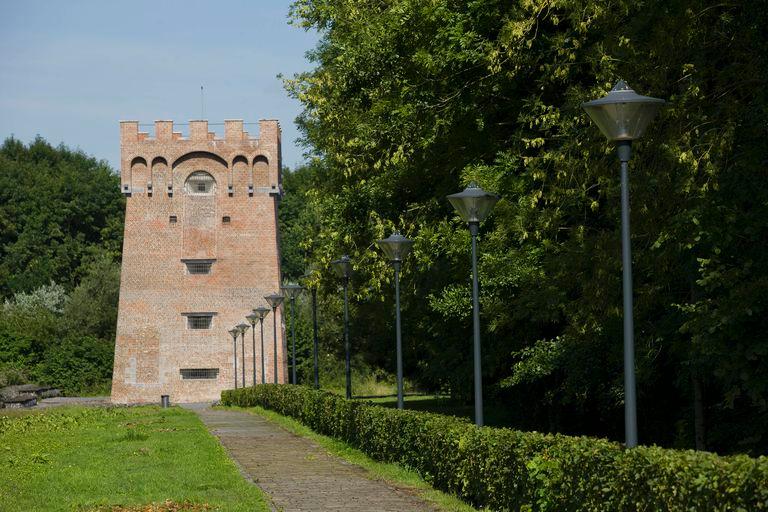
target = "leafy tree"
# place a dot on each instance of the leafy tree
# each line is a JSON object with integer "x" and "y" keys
{"x": 410, "y": 100}
{"x": 61, "y": 216}
{"x": 58, "y": 207}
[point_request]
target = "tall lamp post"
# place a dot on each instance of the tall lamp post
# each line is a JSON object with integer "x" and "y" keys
{"x": 235, "y": 332}
{"x": 274, "y": 300}
{"x": 474, "y": 204}
{"x": 396, "y": 247}
{"x": 343, "y": 268}
{"x": 293, "y": 291}
{"x": 623, "y": 115}
{"x": 313, "y": 288}
{"x": 243, "y": 327}
{"x": 258, "y": 314}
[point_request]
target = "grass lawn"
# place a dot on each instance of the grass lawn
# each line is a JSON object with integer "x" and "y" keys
{"x": 389, "y": 472}
{"x": 81, "y": 459}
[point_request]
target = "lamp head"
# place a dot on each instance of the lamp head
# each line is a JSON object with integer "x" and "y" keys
{"x": 260, "y": 312}
{"x": 623, "y": 114}
{"x": 343, "y": 267}
{"x": 292, "y": 290}
{"x": 396, "y": 247}
{"x": 274, "y": 300}
{"x": 473, "y": 203}
{"x": 242, "y": 327}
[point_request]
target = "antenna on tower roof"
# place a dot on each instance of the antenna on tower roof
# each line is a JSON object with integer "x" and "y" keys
{"x": 202, "y": 103}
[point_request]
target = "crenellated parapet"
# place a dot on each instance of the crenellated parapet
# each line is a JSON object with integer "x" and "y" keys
{"x": 156, "y": 164}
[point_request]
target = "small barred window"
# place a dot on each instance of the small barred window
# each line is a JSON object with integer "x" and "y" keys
{"x": 201, "y": 267}
{"x": 199, "y": 321}
{"x": 199, "y": 373}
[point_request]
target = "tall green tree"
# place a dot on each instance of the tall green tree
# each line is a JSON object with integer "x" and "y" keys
{"x": 61, "y": 218}
{"x": 58, "y": 209}
{"x": 410, "y": 100}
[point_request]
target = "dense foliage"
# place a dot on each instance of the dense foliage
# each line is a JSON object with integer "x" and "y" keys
{"x": 410, "y": 100}
{"x": 502, "y": 469}
{"x": 61, "y": 216}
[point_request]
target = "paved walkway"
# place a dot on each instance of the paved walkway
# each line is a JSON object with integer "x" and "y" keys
{"x": 297, "y": 474}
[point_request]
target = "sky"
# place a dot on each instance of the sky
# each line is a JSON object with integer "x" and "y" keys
{"x": 71, "y": 70}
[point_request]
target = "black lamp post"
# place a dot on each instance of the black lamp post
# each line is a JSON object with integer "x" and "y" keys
{"x": 474, "y": 204}
{"x": 235, "y": 332}
{"x": 274, "y": 300}
{"x": 258, "y": 314}
{"x": 243, "y": 328}
{"x": 293, "y": 291}
{"x": 396, "y": 247}
{"x": 343, "y": 268}
{"x": 623, "y": 115}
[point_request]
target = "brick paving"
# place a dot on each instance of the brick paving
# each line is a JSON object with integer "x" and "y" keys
{"x": 297, "y": 474}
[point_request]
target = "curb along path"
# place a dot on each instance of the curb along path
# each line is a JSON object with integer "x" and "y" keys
{"x": 297, "y": 474}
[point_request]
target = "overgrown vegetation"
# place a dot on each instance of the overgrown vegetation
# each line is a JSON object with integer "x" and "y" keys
{"x": 410, "y": 100}
{"x": 117, "y": 459}
{"x": 61, "y": 221}
{"x": 502, "y": 469}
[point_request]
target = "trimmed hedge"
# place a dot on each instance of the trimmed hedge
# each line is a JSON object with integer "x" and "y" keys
{"x": 503, "y": 469}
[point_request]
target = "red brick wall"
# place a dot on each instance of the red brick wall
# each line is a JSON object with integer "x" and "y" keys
{"x": 153, "y": 341}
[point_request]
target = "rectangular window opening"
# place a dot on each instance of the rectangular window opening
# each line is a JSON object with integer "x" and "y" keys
{"x": 199, "y": 321}
{"x": 199, "y": 373}
{"x": 226, "y": 219}
{"x": 202, "y": 267}
{"x": 173, "y": 219}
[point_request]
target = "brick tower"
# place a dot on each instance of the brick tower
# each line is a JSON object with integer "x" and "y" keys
{"x": 200, "y": 251}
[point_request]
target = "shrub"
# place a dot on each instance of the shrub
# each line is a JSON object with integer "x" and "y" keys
{"x": 503, "y": 469}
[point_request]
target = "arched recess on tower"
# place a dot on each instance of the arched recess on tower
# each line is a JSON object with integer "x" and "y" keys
{"x": 261, "y": 171}
{"x": 241, "y": 175}
{"x": 160, "y": 174}
{"x": 139, "y": 175}
{"x": 198, "y": 161}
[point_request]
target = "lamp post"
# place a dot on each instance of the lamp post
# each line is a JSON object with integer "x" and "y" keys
{"x": 293, "y": 291}
{"x": 242, "y": 327}
{"x": 274, "y": 300}
{"x": 623, "y": 115}
{"x": 258, "y": 314}
{"x": 396, "y": 247}
{"x": 313, "y": 286}
{"x": 474, "y": 204}
{"x": 235, "y": 332}
{"x": 343, "y": 268}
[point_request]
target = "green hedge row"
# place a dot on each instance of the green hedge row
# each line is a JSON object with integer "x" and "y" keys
{"x": 502, "y": 469}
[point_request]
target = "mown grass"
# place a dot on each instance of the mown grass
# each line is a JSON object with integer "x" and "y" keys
{"x": 388, "y": 472}
{"x": 78, "y": 458}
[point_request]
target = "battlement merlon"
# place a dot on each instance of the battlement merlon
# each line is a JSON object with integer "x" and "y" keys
{"x": 269, "y": 131}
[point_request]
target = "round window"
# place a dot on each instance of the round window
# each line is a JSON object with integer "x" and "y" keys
{"x": 200, "y": 183}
